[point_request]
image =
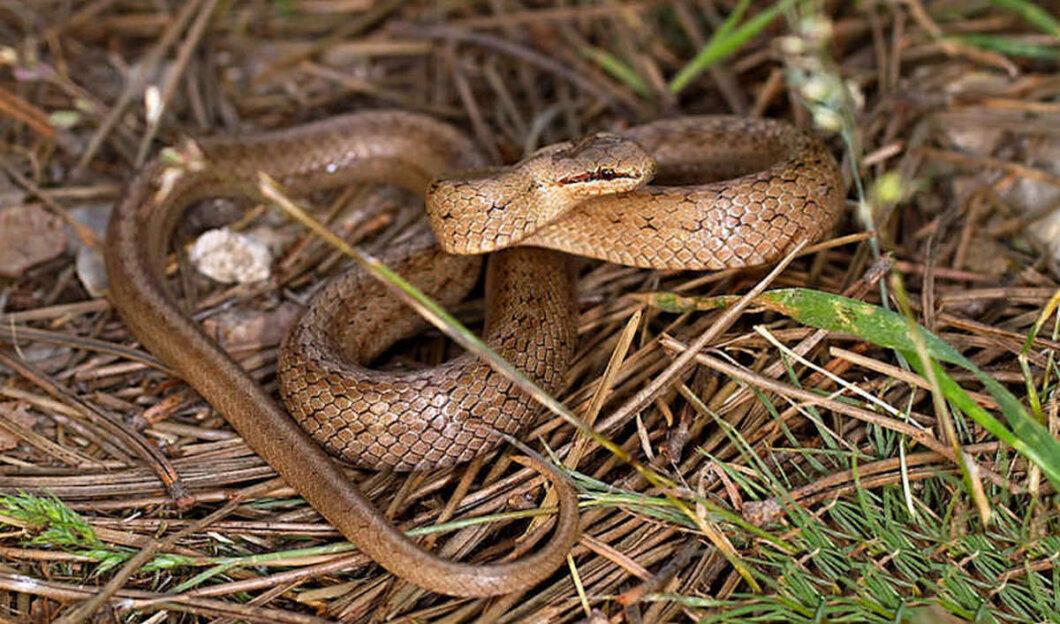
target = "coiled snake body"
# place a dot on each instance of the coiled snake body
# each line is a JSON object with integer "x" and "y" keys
{"x": 772, "y": 187}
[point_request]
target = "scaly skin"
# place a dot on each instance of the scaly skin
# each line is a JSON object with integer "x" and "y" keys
{"x": 530, "y": 317}
{"x": 427, "y": 418}
{"x": 773, "y": 187}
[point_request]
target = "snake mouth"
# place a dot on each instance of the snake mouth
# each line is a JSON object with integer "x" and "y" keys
{"x": 597, "y": 175}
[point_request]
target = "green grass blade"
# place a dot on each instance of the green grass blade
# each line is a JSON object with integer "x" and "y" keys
{"x": 732, "y": 19}
{"x": 1033, "y": 14}
{"x": 1011, "y": 47}
{"x": 889, "y": 329}
{"x": 614, "y": 66}
{"x": 53, "y": 523}
{"x": 726, "y": 40}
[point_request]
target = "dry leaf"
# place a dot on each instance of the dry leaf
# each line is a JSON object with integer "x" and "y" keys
{"x": 17, "y": 412}
{"x": 29, "y": 235}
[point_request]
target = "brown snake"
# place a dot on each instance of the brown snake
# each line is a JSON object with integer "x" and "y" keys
{"x": 774, "y": 187}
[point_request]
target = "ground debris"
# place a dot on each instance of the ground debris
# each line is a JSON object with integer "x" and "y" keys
{"x": 810, "y": 472}
{"x": 29, "y": 235}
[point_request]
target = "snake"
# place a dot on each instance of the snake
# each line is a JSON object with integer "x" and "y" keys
{"x": 692, "y": 193}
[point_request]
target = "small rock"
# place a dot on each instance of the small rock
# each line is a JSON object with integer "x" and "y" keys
{"x": 241, "y": 327}
{"x": 91, "y": 270}
{"x": 89, "y": 261}
{"x": 975, "y": 139}
{"x": 47, "y": 358}
{"x": 1033, "y": 197}
{"x": 990, "y": 256}
{"x": 230, "y": 257}
{"x": 9, "y": 193}
{"x": 29, "y": 235}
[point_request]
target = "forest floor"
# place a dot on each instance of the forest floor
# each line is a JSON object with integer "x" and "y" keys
{"x": 872, "y": 440}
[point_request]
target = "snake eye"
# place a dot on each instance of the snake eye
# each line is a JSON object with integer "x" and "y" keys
{"x": 601, "y": 164}
{"x": 598, "y": 175}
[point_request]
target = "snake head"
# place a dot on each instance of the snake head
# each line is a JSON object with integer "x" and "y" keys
{"x": 478, "y": 211}
{"x": 599, "y": 164}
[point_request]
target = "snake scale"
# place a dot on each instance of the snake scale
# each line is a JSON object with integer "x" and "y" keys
{"x": 738, "y": 192}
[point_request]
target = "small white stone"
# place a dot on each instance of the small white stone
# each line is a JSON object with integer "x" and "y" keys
{"x": 231, "y": 257}
{"x": 153, "y": 104}
{"x": 91, "y": 270}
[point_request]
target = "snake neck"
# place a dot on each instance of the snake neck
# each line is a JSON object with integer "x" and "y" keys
{"x": 491, "y": 208}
